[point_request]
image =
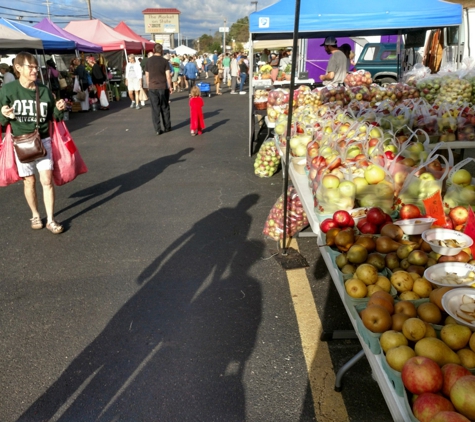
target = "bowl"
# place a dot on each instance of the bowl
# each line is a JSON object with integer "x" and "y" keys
{"x": 435, "y": 272}
{"x": 299, "y": 164}
{"x": 444, "y": 234}
{"x": 358, "y": 213}
{"x": 452, "y": 300}
{"x": 415, "y": 225}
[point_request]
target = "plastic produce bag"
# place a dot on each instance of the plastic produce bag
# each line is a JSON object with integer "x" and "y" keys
{"x": 8, "y": 168}
{"x": 358, "y": 78}
{"x": 460, "y": 187}
{"x": 296, "y": 216}
{"x": 267, "y": 159}
{"x": 418, "y": 72}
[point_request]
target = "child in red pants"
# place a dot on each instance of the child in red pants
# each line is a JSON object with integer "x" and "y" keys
{"x": 197, "y": 123}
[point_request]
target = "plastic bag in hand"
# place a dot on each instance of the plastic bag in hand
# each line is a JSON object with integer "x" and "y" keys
{"x": 296, "y": 216}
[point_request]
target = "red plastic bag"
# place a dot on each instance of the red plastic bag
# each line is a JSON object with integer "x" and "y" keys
{"x": 8, "y": 168}
{"x": 68, "y": 163}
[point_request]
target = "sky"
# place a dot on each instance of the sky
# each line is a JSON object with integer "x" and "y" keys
{"x": 197, "y": 17}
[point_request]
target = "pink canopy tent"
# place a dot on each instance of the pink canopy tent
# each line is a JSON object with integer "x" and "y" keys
{"x": 99, "y": 33}
{"x": 124, "y": 29}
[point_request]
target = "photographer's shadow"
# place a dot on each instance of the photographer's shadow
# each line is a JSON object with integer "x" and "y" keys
{"x": 177, "y": 349}
{"x": 121, "y": 184}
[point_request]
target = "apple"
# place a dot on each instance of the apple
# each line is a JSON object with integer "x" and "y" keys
{"x": 459, "y": 215}
{"x": 435, "y": 165}
{"x": 328, "y": 224}
{"x": 426, "y": 176}
{"x": 376, "y": 216}
{"x": 368, "y": 228}
{"x": 343, "y": 219}
{"x": 416, "y": 147}
{"x": 384, "y": 190}
{"x": 312, "y": 150}
{"x": 447, "y": 225}
{"x": 374, "y": 174}
{"x": 392, "y": 148}
{"x": 347, "y": 188}
{"x": 317, "y": 162}
{"x": 422, "y": 375}
{"x": 299, "y": 150}
{"x": 427, "y": 405}
{"x": 467, "y": 195}
{"x": 353, "y": 151}
{"x": 330, "y": 181}
{"x": 361, "y": 184}
{"x": 449, "y": 416}
{"x": 400, "y": 177}
{"x": 279, "y": 129}
{"x": 409, "y": 211}
{"x": 338, "y": 173}
{"x": 462, "y": 396}
{"x": 451, "y": 373}
{"x": 462, "y": 177}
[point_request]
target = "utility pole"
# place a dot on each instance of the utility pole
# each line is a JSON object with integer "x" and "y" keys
{"x": 89, "y": 8}
{"x": 47, "y": 5}
{"x": 255, "y": 4}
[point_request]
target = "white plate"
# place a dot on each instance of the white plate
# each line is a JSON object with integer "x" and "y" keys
{"x": 415, "y": 225}
{"x": 453, "y": 299}
{"x": 459, "y": 268}
{"x": 443, "y": 234}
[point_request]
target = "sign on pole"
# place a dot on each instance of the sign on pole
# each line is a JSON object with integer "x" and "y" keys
{"x": 223, "y": 29}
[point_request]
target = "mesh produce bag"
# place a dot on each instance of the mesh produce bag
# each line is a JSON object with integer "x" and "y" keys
{"x": 267, "y": 159}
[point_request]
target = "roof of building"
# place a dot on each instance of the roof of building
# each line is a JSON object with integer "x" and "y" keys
{"x": 161, "y": 11}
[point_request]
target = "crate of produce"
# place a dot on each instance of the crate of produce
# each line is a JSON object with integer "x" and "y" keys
{"x": 371, "y": 339}
{"x": 393, "y": 376}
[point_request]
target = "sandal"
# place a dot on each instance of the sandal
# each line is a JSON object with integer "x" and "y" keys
{"x": 36, "y": 223}
{"x": 54, "y": 227}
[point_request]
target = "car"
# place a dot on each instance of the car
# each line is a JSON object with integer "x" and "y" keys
{"x": 380, "y": 59}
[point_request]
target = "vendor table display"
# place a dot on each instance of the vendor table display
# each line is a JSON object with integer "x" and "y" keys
{"x": 395, "y": 223}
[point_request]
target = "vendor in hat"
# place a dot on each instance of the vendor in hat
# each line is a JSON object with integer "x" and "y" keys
{"x": 337, "y": 65}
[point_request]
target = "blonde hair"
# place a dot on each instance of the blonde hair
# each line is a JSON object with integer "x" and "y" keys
{"x": 131, "y": 56}
{"x": 195, "y": 92}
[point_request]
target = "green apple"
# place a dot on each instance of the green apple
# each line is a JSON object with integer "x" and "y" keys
{"x": 374, "y": 174}
{"x": 391, "y": 148}
{"x": 330, "y": 181}
{"x": 361, "y": 184}
{"x": 279, "y": 129}
{"x": 462, "y": 177}
{"x": 375, "y": 133}
{"x": 384, "y": 190}
{"x": 428, "y": 188}
{"x": 416, "y": 147}
{"x": 414, "y": 188}
{"x": 300, "y": 150}
{"x": 400, "y": 177}
{"x": 294, "y": 142}
{"x": 326, "y": 151}
{"x": 426, "y": 176}
{"x": 347, "y": 189}
{"x": 467, "y": 195}
{"x": 331, "y": 196}
{"x": 353, "y": 151}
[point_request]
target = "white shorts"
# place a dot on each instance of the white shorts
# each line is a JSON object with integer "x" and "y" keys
{"x": 41, "y": 164}
{"x": 133, "y": 84}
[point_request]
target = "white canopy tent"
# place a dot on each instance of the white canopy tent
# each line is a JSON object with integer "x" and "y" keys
{"x": 183, "y": 49}
{"x": 10, "y": 39}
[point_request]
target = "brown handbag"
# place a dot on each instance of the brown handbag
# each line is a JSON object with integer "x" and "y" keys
{"x": 29, "y": 147}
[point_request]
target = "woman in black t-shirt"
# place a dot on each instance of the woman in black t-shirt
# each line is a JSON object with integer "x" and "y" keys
{"x": 243, "y": 70}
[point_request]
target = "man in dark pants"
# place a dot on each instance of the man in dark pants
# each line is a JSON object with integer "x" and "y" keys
{"x": 157, "y": 73}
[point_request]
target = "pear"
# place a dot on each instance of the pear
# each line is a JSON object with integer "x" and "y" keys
{"x": 348, "y": 269}
{"x": 436, "y": 350}
{"x": 467, "y": 357}
{"x": 377, "y": 260}
{"x": 357, "y": 254}
{"x": 344, "y": 240}
{"x": 404, "y": 250}
{"x": 341, "y": 260}
{"x": 455, "y": 336}
{"x": 392, "y": 261}
{"x": 418, "y": 257}
{"x": 398, "y": 356}
{"x": 385, "y": 244}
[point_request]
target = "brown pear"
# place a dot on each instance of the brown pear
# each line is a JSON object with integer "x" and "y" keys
{"x": 367, "y": 241}
{"x": 417, "y": 239}
{"x": 357, "y": 254}
{"x": 392, "y": 261}
{"x": 425, "y": 247}
{"x": 341, "y": 260}
{"x": 392, "y": 231}
{"x": 404, "y": 250}
{"x": 344, "y": 240}
{"x": 418, "y": 257}
{"x": 404, "y": 264}
{"x": 377, "y": 260}
{"x": 385, "y": 244}
{"x": 416, "y": 269}
{"x": 331, "y": 234}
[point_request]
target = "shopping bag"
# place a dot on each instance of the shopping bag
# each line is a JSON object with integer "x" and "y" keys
{"x": 103, "y": 99}
{"x": 68, "y": 163}
{"x": 8, "y": 168}
{"x": 62, "y": 83}
{"x": 76, "y": 86}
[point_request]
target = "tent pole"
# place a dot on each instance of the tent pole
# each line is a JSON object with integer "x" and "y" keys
{"x": 251, "y": 93}
{"x": 39, "y": 62}
{"x": 289, "y": 120}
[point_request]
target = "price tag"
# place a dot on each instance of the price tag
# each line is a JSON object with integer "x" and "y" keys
{"x": 470, "y": 228}
{"x": 435, "y": 208}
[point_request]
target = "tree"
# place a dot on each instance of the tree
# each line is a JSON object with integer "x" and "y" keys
{"x": 239, "y": 31}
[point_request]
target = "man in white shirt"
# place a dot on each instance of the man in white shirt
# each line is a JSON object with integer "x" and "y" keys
{"x": 7, "y": 76}
{"x": 337, "y": 65}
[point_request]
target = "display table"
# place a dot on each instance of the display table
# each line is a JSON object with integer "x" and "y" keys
{"x": 395, "y": 403}
{"x": 296, "y": 82}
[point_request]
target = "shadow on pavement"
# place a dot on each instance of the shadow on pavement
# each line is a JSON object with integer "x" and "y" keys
{"x": 121, "y": 184}
{"x": 176, "y": 351}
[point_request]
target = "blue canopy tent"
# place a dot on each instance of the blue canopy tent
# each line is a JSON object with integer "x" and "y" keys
{"x": 352, "y": 18}
{"x": 51, "y": 43}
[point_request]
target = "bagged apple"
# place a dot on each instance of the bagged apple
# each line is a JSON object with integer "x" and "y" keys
{"x": 375, "y": 188}
{"x": 418, "y": 72}
{"x": 438, "y": 166}
{"x": 460, "y": 187}
{"x": 429, "y": 87}
{"x": 267, "y": 160}
{"x": 296, "y": 216}
{"x": 420, "y": 185}
{"x": 454, "y": 90}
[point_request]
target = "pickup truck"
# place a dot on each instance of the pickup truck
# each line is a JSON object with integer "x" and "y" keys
{"x": 380, "y": 59}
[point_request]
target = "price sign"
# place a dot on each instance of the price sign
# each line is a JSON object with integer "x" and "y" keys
{"x": 435, "y": 208}
{"x": 470, "y": 228}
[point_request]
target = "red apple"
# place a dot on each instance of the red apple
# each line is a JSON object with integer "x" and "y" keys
{"x": 462, "y": 396}
{"x": 409, "y": 211}
{"x": 376, "y": 216}
{"x": 373, "y": 142}
{"x": 317, "y": 162}
{"x": 451, "y": 373}
{"x": 343, "y": 219}
{"x": 368, "y": 228}
{"x": 422, "y": 375}
{"x": 447, "y": 225}
{"x": 389, "y": 155}
{"x": 427, "y": 405}
{"x": 328, "y": 224}
{"x": 459, "y": 215}
{"x": 389, "y": 219}
{"x": 361, "y": 223}
{"x": 449, "y": 416}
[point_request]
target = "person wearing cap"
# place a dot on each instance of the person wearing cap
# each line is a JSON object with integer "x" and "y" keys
{"x": 5, "y": 71}
{"x": 337, "y": 65}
